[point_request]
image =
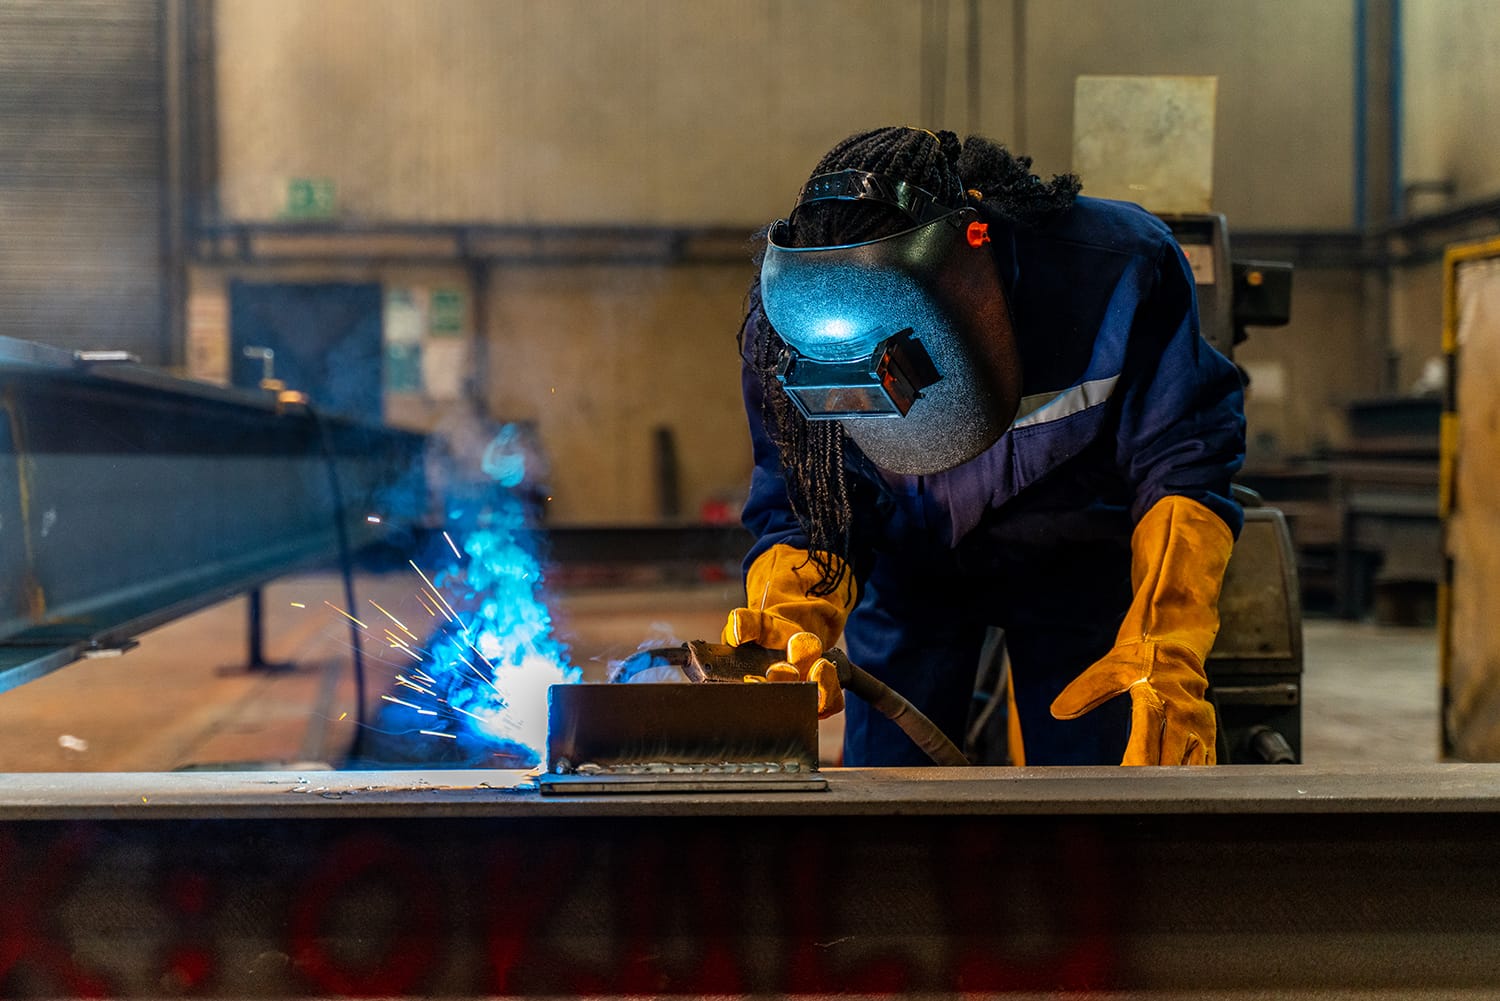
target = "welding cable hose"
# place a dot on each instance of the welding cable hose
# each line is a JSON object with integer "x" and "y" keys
{"x": 715, "y": 662}
{"x": 895, "y": 707}
{"x": 346, "y": 572}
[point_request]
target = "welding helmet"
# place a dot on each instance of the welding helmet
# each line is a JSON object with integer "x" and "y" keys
{"x": 906, "y": 340}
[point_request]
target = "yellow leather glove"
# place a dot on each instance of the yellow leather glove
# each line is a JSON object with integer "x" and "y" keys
{"x": 805, "y": 662}
{"x": 781, "y": 615}
{"x": 1178, "y": 554}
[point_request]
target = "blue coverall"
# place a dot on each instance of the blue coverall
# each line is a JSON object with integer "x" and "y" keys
{"x": 1124, "y": 403}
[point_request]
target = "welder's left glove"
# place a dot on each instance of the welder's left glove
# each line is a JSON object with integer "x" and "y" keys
{"x": 1179, "y": 551}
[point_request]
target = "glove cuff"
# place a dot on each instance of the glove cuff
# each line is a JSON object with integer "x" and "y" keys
{"x": 1178, "y": 554}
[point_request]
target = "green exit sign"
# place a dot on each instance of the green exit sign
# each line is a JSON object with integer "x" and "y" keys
{"x": 310, "y": 198}
{"x": 447, "y": 317}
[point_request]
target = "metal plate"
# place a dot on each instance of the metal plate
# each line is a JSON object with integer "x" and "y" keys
{"x": 610, "y": 725}
{"x": 609, "y": 784}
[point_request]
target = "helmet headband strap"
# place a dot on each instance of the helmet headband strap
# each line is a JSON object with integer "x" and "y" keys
{"x": 861, "y": 185}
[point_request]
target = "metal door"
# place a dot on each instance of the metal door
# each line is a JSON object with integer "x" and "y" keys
{"x": 326, "y": 339}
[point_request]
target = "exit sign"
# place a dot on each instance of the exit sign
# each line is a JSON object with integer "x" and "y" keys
{"x": 310, "y": 198}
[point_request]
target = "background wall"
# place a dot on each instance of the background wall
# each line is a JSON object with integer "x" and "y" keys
{"x": 1283, "y": 146}
{"x": 1450, "y": 139}
{"x": 696, "y": 113}
{"x": 675, "y": 112}
{"x": 603, "y": 357}
{"x": 712, "y": 111}
{"x": 1452, "y": 122}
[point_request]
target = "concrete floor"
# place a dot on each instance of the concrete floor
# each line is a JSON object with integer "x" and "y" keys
{"x": 183, "y": 699}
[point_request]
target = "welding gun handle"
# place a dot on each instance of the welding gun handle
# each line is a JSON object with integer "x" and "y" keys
{"x": 894, "y": 706}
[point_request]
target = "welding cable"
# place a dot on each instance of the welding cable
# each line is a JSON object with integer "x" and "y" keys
{"x": 346, "y": 569}
{"x": 894, "y": 706}
{"x": 718, "y": 662}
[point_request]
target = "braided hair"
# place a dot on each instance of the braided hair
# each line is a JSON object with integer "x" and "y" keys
{"x": 812, "y": 452}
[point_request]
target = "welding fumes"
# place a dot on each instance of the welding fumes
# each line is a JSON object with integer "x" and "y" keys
{"x": 477, "y": 690}
{"x": 500, "y": 653}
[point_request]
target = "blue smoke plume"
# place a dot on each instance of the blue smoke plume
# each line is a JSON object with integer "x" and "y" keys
{"x": 479, "y": 694}
{"x": 498, "y": 659}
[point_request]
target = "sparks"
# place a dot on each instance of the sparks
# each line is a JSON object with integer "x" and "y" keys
{"x": 388, "y": 615}
{"x": 373, "y": 519}
{"x": 298, "y": 604}
{"x": 435, "y": 733}
{"x": 438, "y": 604}
{"x": 452, "y": 614}
{"x": 400, "y": 702}
{"x": 481, "y": 656}
{"x": 343, "y": 716}
{"x": 402, "y": 679}
{"x": 397, "y": 643}
{"x": 346, "y": 615}
{"x": 451, "y": 546}
{"x": 487, "y": 681}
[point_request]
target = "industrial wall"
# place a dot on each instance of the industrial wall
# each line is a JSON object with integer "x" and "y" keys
{"x": 711, "y": 113}
{"x": 1452, "y": 90}
{"x": 607, "y": 361}
{"x": 1450, "y": 151}
{"x": 1301, "y": 375}
{"x": 1283, "y": 151}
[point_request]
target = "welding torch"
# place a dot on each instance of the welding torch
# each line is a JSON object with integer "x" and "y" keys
{"x": 717, "y": 662}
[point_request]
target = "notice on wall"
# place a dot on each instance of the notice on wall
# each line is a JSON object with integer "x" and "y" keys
{"x": 1146, "y": 139}
{"x": 402, "y": 323}
{"x": 446, "y": 314}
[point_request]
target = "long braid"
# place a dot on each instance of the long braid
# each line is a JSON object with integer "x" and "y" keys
{"x": 812, "y": 452}
{"x": 812, "y": 460}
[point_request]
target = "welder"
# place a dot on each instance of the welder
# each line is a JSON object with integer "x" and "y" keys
{"x": 980, "y": 399}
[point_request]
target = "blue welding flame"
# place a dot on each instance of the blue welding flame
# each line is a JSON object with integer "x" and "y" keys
{"x": 494, "y": 664}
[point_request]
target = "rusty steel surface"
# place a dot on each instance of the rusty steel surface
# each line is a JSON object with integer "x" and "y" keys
{"x": 1222, "y": 883}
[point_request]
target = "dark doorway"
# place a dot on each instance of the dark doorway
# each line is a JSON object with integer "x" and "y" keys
{"x": 326, "y": 338}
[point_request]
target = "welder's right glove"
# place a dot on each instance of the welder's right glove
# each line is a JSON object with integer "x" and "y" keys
{"x": 781, "y": 615}
{"x": 805, "y": 662}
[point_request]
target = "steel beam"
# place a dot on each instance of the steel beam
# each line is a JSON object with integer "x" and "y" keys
{"x": 129, "y": 497}
{"x": 1229, "y": 883}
